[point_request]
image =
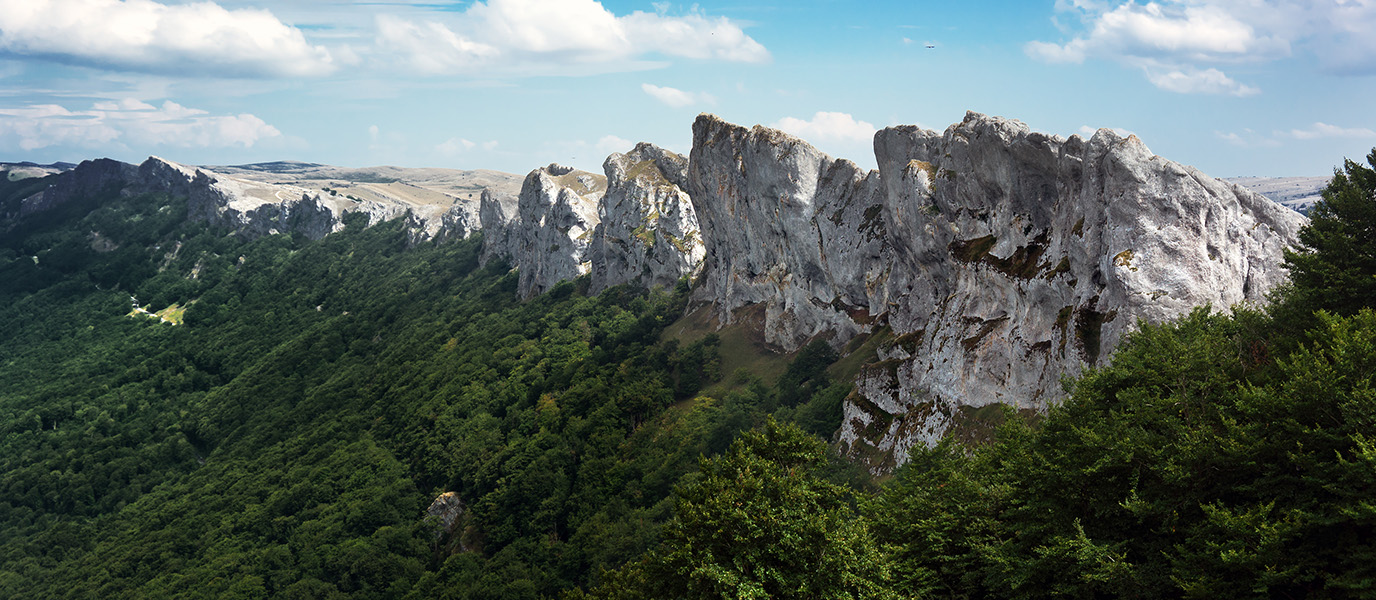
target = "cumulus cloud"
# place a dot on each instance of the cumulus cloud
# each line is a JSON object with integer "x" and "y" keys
{"x": 194, "y": 39}
{"x": 1162, "y": 30}
{"x": 828, "y": 126}
{"x": 1181, "y": 45}
{"x": 1188, "y": 80}
{"x": 129, "y": 122}
{"x": 675, "y": 97}
{"x": 533, "y": 34}
{"x": 1324, "y": 130}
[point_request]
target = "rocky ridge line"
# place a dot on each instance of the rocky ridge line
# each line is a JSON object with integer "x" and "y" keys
{"x": 249, "y": 207}
{"x": 988, "y": 260}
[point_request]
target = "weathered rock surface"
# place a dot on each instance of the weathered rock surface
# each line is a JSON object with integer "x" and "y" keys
{"x": 548, "y": 237}
{"x": 1000, "y": 259}
{"x": 90, "y": 177}
{"x": 784, "y": 225}
{"x": 447, "y": 511}
{"x": 648, "y": 232}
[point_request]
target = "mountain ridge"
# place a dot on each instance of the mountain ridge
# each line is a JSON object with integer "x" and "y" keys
{"x": 990, "y": 260}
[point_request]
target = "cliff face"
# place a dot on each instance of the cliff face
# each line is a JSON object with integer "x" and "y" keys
{"x": 633, "y": 225}
{"x": 90, "y": 177}
{"x": 648, "y": 234}
{"x": 999, "y": 259}
{"x": 548, "y": 236}
{"x": 786, "y": 226}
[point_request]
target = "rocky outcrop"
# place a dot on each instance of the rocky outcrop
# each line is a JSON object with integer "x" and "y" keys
{"x": 786, "y": 226}
{"x": 989, "y": 260}
{"x": 548, "y": 237}
{"x": 648, "y": 232}
{"x": 635, "y": 225}
{"x": 992, "y": 259}
{"x": 446, "y": 512}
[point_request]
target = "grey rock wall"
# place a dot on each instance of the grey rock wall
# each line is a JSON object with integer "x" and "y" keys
{"x": 993, "y": 260}
{"x": 548, "y": 236}
{"x": 648, "y": 232}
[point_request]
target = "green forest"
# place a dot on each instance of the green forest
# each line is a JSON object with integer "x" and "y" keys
{"x": 188, "y": 414}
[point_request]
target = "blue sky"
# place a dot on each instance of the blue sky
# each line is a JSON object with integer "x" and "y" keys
{"x": 1234, "y": 87}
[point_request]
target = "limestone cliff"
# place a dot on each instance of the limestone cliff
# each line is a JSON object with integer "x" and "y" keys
{"x": 990, "y": 261}
{"x": 999, "y": 259}
{"x": 648, "y": 232}
{"x": 548, "y": 237}
{"x": 634, "y": 225}
{"x": 786, "y": 226}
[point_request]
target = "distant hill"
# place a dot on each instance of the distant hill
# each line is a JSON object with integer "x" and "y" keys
{"x": 1298, "y": 193}
{"x": 30, "y": 170}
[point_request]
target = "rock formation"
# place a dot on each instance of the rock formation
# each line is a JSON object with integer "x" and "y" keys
{"x": 648, "y": 234}
{"x": 548, "y": 237}
{"x": 786, "y": 226}
{"x": 88, "y": 178}
{"x": 999, "y": 259}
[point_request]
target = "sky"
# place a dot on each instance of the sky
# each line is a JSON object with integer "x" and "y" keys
{"x": 1233, "y": 87}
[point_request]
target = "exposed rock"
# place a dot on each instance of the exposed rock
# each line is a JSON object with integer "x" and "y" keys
{"x": 992, "y": 260}
{"x": 252, "y": 208}
{"x": 1019, "y": 258}
{"x": 1001, "y": 259}
{"x": 648, "y": 232}
{"x": 787, "y": 226}
{"x": 548, "y": 238}
{"x": 447, "y": 510}
{"x": 497, "y": 218}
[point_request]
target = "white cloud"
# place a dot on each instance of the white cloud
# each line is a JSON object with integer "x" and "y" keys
{"x": 828, "y": 126}
{"x": 675, "y": 97}
{"x": 1324, "y": 130}
{"x": 431, "y": 48}
{"x": 128, "y": 122}
{"x": 530, "y": 35}
{"x": 194, "y": 39}
{"x": 1195, "y": 30}
{"x": 454, "y": 146}
{"x": 1088, "y": 132}
{"x": 610, "y": 143}
{"x": 1183, "y": 45}
{"x": 1188, "y": 80}
{"x": 1247, "y": 139}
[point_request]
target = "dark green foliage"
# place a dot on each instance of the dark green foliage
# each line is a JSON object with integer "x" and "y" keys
{"x": 759, "y": 522}
{"x": 1335, "y": 268}
{"x": 287, "y": 438}
{"x": 807, "y": 373}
